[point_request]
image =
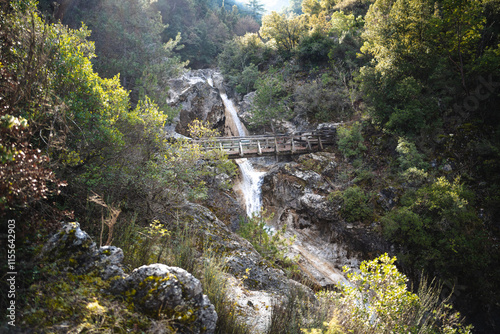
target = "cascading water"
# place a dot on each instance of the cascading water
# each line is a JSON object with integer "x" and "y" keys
{"x": 252, "y": 179}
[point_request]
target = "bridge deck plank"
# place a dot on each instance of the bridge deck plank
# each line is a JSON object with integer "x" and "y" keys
{"x": 252, "y": 146}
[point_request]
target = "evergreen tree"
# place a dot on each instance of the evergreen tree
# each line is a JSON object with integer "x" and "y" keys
{"x": 256, "y": 9}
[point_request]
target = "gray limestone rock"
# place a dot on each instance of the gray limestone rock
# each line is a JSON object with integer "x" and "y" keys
{"x": 246, "y": 106}
{"x": 196, "y": 94}
{"x": 109, "y": 259}
{"x": 318, "y": 206}
{"x": 387, "y": 198}
{"x": 71, "y": 246}
{"x": 172, "y": 291}
{"x": 238, "y": 254}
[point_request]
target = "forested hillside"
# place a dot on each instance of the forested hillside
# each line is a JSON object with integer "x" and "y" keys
{"x": 416, "y": 83}
{"x": 412, "y": 85}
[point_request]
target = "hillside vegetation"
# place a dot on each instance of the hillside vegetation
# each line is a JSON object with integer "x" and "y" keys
{"x": 414, "y": 85}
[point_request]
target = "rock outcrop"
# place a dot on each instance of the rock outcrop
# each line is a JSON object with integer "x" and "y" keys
{"x": 238, "y": 254}
{"x": 255, "y": 283}
{"x": 154, "y": 289}
{"x": 74, "y": 250}
{"x": 173, "y": 292}
{"x": 297, "y": 193}
{"x": 197, "y": 96}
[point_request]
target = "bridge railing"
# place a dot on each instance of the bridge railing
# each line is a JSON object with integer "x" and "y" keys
{"x": 268, "y": 145}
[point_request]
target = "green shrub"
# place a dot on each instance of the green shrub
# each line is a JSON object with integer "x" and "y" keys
{"x": 355, "y": 205}
{"x": 350, "y": 140}
{"x": 270, "y": 105}
{"x": 415, "y": 176}
{"x": 323, "y": 100}
{"x": 314, "y": 48}
{"x": 438, "y": 226}
{"x": 408, "y": 155}
{"x": 377, "y": 300}
{"x": 271, "y": 245}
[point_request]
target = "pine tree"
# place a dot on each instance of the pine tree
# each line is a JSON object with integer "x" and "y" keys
{"x": 256, "y": 9}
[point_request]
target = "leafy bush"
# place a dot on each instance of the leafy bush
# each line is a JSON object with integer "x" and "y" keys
{"x": 314, "y": 49}
{"x": 415, "y": 176}
{"x": 242, "y": 53}
{"x": 350, "y": 140}
{"x": 355, "y": 204}
{"x": 409, "y": 156}
{"x": 376, "y": 300}
{"x": 270, "y": 105}
{"x": 247, "y": 80}
{"x": 272, "y": 245}
{"x": 441, "y": 231}
{"x": 323, "y": 101}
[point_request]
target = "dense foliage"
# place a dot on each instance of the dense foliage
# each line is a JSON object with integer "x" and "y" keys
{"x": 415, "y": 81}
{"x": 419, "y": 80}
{"x": 60, "y": 121}
{"x": 376, "y": 300}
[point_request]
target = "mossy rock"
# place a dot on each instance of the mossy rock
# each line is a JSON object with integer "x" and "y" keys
{"x": 170, "y": 292}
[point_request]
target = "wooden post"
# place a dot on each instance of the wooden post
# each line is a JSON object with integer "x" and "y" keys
{"x": 276, "y": 148}
{"x": 259, "y": 148}
{"x": 309, "y": 148}
{"x": 320, "y": 143}
{"x": 293, "y": 146}
{"x": 241, "y": 150}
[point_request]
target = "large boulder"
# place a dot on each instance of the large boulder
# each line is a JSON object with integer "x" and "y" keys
{"x": 196, "y": 94}
{"x": 170, "y": 291}
{"x": 74, "y": 250}
{"x": 152, "y": 289}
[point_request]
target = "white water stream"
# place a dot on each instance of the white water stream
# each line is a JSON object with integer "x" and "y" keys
{"x": 252, "y": 179}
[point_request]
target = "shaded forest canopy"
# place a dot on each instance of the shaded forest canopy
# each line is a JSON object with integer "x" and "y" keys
{"x": 417, "y": 83}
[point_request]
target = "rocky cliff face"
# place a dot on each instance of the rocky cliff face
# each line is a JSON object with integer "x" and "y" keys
{"x": 197, "y": 96}
{"x": 200, "y": 95}
{"x": 297, "y": 193}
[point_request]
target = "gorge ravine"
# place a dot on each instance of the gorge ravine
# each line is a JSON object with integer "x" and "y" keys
{"x": 295, "y": 194}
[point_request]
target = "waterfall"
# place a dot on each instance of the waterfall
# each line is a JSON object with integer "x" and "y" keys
{"x": 232, "y": 110}
{"x": 252, "y": 179}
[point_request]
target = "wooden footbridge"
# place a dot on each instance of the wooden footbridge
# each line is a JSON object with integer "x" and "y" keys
{"x": 256, "y": 146}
